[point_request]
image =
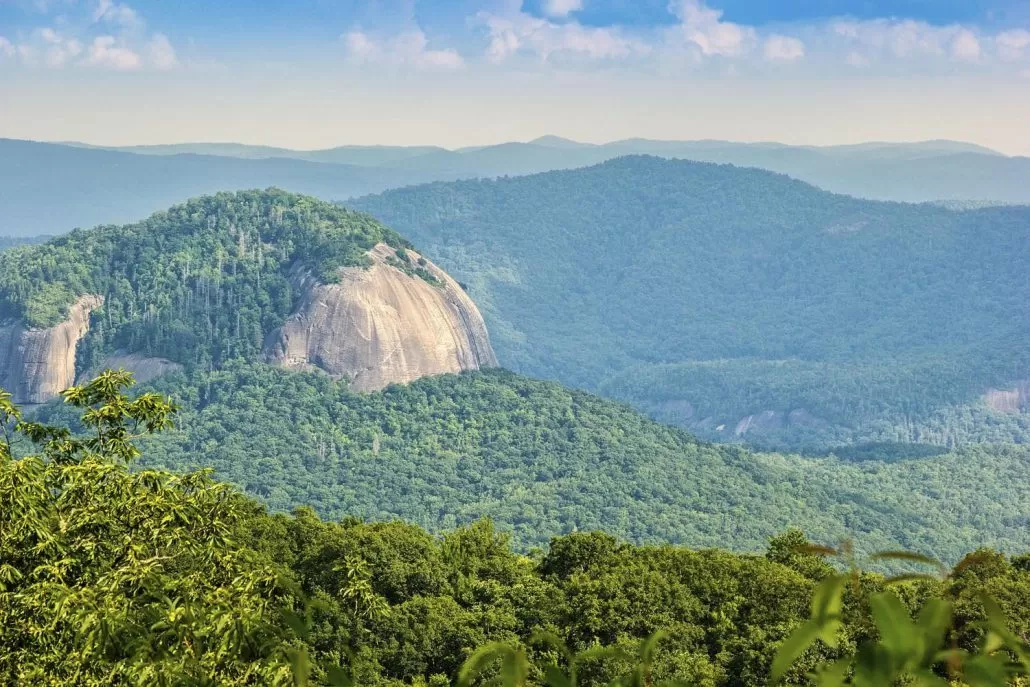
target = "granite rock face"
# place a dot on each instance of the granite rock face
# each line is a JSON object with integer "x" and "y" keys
{"x": 143, "y": 368}
{"x": 1011, "y": 400}
{"x": 36, "y": 365}
{"x": 382, "y": 324}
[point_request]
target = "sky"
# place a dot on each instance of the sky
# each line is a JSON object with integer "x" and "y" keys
{"x": 319, "y": 73}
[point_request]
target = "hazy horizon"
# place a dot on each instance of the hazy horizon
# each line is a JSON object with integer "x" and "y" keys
{"x": 459, "y": 73}
{"x": 533, "y": 140}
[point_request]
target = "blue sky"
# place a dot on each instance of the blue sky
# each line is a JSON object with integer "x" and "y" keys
{"x": 322, "y": 72}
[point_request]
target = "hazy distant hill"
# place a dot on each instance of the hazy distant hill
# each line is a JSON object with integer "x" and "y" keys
{"x": 919, "y": 171}
{"x": 49, "y": 188}
{"x": 741, "y": 303}
{"x": 347, "y": 155}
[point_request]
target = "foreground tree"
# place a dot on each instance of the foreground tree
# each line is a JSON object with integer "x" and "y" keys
{"x": 110, "y": 576}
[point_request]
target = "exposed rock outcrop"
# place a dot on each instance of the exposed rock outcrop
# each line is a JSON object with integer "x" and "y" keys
{"x": 382, "y": 324}
{"x": 1009, "y": 400}
{"x": 36, "y": 365}
{"x": 143, "y": 368}
{"x": 760, "y": 423}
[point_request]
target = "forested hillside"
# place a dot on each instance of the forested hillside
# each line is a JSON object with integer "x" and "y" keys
{"x": 742, "y": 303}
{"x": 139, "y": 577}
{"x": 198, "y": 284}
{"x": 543, "y": 460}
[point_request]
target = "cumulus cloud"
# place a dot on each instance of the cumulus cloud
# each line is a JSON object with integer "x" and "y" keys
{"x": 703, "y": 26}
{"x": 562, "y": 8}
{"x": 103, "y": 34}
{"x": 783, "y": 48}
{"x": 520, "y": 31}
{"x": 116, "y": 13}
{"x": 856, "y": 59}
{"x": 1013, "y": 45}
{"x": 106, "y": 52}
{"x": 47, "y": 46}
{"x": 909, "y": 39}
{"x": 161, "y": 53}
{"x": 410, "y": 48}
{"x": 702, "y": 32}
{"x": 965, "y": 46}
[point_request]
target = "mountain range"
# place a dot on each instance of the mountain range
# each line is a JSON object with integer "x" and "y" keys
{"x": 47, "y": 188}
{"x": 314, "y": 355}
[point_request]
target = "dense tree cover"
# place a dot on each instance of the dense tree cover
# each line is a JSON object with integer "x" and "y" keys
{"x": 200, "y": 283}
{"x": 11, "y": 241}
{"x": 833, "y": 404}
{"x": 111, "y": 577}
{"x": 542, "y": 460}
{"x": 147, "y": 578}
{"x": 707, "y": 293}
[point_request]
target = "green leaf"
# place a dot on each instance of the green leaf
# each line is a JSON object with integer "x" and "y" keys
{"x": 898, "y": 634}
{"x": 833, "y": 675}
{"x": 338, "y": 677}
{"x": 986, "y": 671}
{"x": 904, "y": 556}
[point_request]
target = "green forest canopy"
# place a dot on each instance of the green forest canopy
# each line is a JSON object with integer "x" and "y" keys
{"x": 203, "y": 283}
{"x": 671, "y": 284}
{"x": 198, "y": 284}
{"x": 544, "y": 460}
{"x": 115, "y": 576}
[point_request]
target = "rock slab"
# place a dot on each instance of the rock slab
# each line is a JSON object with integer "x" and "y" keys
{"x": 36, "y": 365}
{"x": 382, "y": 324}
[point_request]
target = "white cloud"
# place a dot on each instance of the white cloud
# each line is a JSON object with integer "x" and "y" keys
{"x": 783, "y": 48}
{"x": 105, "y": 52}
{"x": 160, "y": 52}
{"x": 360, "y": 46}
{"x": 908, "y": 39}
{"x": 46, "y": 45}
{"x": 562, "y": 8}
{"x": 965, "y": 46}
{"x": 104, "y": 34}
{"x": 6, "y": 48}
{"x": 116, "y": 13}
{"x": 856, "y": 59}
{"x": 703, "y": 26}
{"x": 405, "y": 49}
{"x": 544, "y": 39}
{"x": 1013, "y": 45}
{"x": 504, "y": 41}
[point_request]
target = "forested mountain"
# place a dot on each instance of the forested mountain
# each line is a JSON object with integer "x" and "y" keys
{"x": 543, "y": 460}
{"x": 205, "y": 294}
{"x": 48, "y": 188}
{"x": 199, "y": 283}
{"x": 256, "y": 275}
{"x": 117, "y": 570}
{"x": 742, "y": 303}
